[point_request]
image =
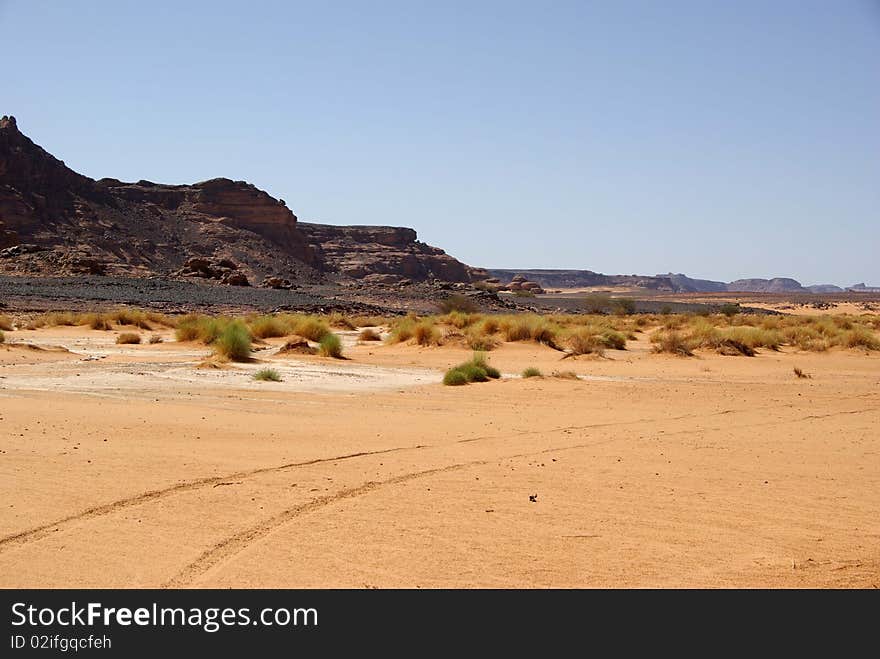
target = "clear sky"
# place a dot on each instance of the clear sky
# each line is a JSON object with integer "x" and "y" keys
{"x": 720, "y": 139}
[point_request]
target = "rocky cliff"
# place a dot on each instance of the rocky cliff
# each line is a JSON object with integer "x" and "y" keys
{"x": 382, "y": 254}
{"x": 56, "y": 221}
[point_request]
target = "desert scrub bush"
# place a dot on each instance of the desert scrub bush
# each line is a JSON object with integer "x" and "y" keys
{"x": 311, "y": 328}
{"x": 531, "y": 372}
{"x": 330, "y": 346}
{"x": 754, "y": 337}
{"x": 128, "y": 337}
{"x": 585, "y": 342}
{"x": 131, "y": 317}
{"x": 369, "y": 334}
{"x": 475, "y": 370}
{"x": 267, "y": 375}
{"x": 457, "y": 302}
{"x": 96, "y": 321}
{"x": 187, "y": 328}
{"x": 672, "y": 342}
{"x": 489, "y": 325}
{"x": 206, "y": 329}
{"x": 233, "y": 341}
{"x": 477, "y": 340}
{"x": 516, "y": 328}
{"x": 266, "y": 327}
{"x": 800, "y": 374}
{"x": 6, "y": 323}
{"x": 56, "y": 319}
{"x": 859, "y": 337}
{"x": 729, "y": 309}
{"x": 155, "y": 338}
{"x": 425, "y": 334}
{"x": 460, "y": 319}
{"x": 623, "y": 306}
{"x": 454, "y": 378}
{"x": 597, "y": 303}
{"x": 368, "y": 321}
{"x": 340, "y": 321}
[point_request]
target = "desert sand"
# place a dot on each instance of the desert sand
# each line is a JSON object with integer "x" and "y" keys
{"x": 129, "y": 466}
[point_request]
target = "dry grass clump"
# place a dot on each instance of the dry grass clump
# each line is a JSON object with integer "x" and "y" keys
{"x": 233, "y": 341}
{"x": 96, "y": 321}
{"x": 310, "y": 327}
{"x": 425, "y": 334}
{"x": 369, "y": 321}
{"x": 6, "y": 323}
{"x": 266, "y": 327}
{"x": 369, "y": 334}
{"x": 531, "y": 372}
{"x": 267, "y": 375}
{"x": 585, "y": 342}
{"x": 330, "y": 346}
{"x": 528, "y": 327}
{"x": 672, "y": 342}
{"x": 459, "y": 319}
{"x": 516, "y": 329}
{"x": 337, "y": 320}
{"x": 128, "y": 338}
{"x": 458, "y": 302}
{"x": 475, "y": 370}
{"x": 489, "y": 325}
{"x": 476, "y": 339}
{"x": 131, "y": 317}
{"x": 859, "y": 337}
{"x": 422, "y": 331}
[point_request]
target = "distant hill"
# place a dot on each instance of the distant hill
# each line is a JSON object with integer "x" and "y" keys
{"x": 54, "y": 221}
{"x": 582, "y": 279}
{"x": 686, "y": 284}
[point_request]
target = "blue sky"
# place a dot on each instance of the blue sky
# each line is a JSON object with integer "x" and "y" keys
{"x": 719, "y": 139}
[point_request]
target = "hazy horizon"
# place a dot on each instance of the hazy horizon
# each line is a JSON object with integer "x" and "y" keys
{"x": 719, "y": 141}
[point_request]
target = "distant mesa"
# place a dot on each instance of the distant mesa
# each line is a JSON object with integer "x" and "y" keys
{"x": 54, "y": 221}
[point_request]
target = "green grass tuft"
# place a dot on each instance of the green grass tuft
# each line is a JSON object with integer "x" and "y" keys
{"x": 267, "y": 375}
{"x": 233, "y": 341}
{"x": 330, "y": 346}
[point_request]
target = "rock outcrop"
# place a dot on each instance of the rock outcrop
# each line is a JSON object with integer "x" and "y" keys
{"x": 54, "y": 221}
{"x": 580, "y": 279}
{"x": 387, "y": 254}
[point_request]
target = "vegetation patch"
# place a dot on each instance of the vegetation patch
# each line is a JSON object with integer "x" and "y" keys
{"x": 267, "y": 375}
{"x": 330, "y": 346}
{"x": 475, "y": 370}
{"x": 233, "y": 342}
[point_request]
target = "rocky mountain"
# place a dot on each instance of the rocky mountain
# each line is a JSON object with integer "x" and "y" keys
{"x": 824, "y": 288}
{"x": 581, "y": 279}
{"x": 862, "y": 288}
{"x": 687, "y": 284}
{"x": 58, "y": 222}
{"x": 775, "y": 285}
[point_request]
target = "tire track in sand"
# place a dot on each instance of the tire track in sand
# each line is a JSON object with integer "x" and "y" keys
{"x": 43, "y": 530}
{"x": 238, "y": 542}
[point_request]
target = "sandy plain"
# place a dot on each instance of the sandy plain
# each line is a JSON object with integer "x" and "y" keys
{"x": 128, "y": 466}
